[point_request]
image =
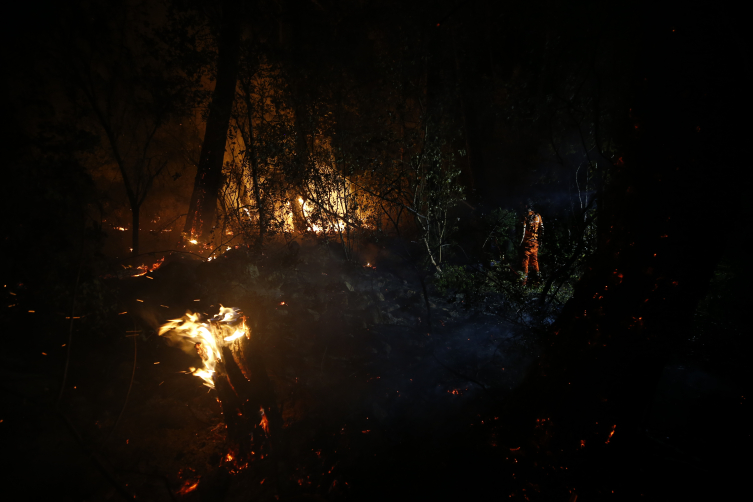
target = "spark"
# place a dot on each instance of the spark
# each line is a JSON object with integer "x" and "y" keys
{"x": 611, "y": 433}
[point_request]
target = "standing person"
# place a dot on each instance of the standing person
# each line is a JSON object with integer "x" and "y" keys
{"x": 533, "y": 231}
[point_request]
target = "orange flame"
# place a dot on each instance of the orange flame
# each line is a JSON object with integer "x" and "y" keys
{"x": 188, "y": 487}
{"x": 144, "y": 269}
{"x": 264, "y": 421}
{"x": 207, "y": 338}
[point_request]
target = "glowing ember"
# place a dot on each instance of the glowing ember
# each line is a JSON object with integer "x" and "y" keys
{"x": 207, "y": 338}
{"x": 188, "y": 487}
{"x": 144, "y": 269}
{"x": 264, "y": 421}
{"x": 193, "y": 241}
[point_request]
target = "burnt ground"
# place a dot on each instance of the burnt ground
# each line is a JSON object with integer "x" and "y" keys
{"x": 384, "y": 392}
{"x": 375, "y": 382}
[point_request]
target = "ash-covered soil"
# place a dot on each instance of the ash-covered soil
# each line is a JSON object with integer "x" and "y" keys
{"x": 380, "y": 380}
{"x": 388, "y": 389}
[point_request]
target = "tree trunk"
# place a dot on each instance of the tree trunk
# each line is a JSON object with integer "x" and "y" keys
{"x": 470, "y": 130}
{"x": 254, "y": 162}
{"x": 295, "y": 192}
{"x": 203, "y": 205}
{"x": 135, "y": 210}
{"x": 257, "y": 192}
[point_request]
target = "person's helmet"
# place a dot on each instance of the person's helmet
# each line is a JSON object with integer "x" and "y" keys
{"x": 529, "y": 204}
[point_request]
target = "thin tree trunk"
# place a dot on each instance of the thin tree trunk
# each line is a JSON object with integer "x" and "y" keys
{"x": 255, "y": 179}
{"x": 469, "y": 124}
{"x": 135, "y": 210}
{"x": 254, "y": 163}
{"x": 296, "y": 191}
{"x": 203, "y": 205}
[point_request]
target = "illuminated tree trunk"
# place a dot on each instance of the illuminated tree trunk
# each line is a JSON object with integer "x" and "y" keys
{"x": 254, "y": 162}
{"x": 203, "y": 205}
{"x": 296, "y": 191}
{"x": 135, "y": 214}
{"x": 257, "y": 191}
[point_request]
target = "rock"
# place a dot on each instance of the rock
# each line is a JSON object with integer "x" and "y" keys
{"x": 275, "y": 280}
{"x": 356, "y": 319}
{"x": 251, "y": 271}
{"x": 373, "y": 315}
{"x": 359, "y": 301}
{"x": 341, "y": 299}
{"x": 314, "y": 314}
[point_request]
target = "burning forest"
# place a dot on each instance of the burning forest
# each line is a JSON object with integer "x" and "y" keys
{"x": 349, "y": 251}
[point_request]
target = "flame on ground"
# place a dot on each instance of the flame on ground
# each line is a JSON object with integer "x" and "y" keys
{"x": 188, "y": 487}
{"x": 264, "y": 421}
{"x": 207, "y": 338}
{"x": 144, "y": 269}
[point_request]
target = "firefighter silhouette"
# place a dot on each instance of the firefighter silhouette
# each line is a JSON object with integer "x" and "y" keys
{"x": 533, "y": 231}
